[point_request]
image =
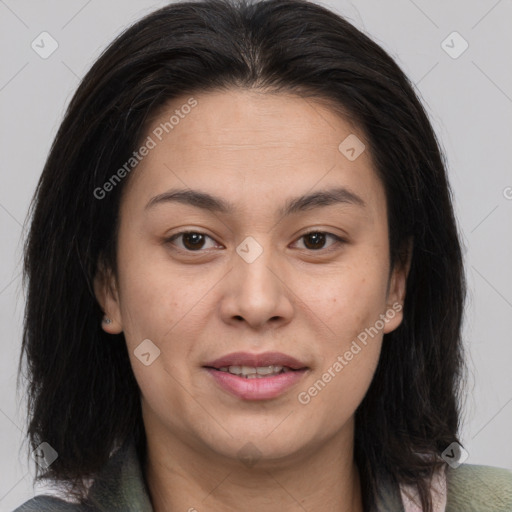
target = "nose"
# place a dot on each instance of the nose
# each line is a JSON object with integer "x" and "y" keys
{"x": 256, "y": 291}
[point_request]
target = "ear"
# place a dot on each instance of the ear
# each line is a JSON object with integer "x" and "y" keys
{"x": 106, "y": 291}
{"x": 396, "y": 288}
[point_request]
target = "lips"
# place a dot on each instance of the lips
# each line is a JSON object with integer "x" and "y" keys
{"x": 261, "y": 387}
{"x": 256, "y": 360}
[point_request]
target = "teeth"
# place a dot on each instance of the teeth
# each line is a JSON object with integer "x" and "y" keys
{"x": 251, "y": 372}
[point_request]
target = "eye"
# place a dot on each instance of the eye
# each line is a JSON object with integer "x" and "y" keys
{"x": 192, "y": 240}
{"x": 315, "y": 240}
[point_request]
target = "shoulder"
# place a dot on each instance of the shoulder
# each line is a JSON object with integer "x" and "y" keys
{"x": 474, "y": 488}
{"x": 118, "y": 487}
{"x": 50, "y": 504}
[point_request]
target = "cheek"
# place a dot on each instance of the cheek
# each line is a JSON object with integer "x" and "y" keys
{"x": 349, "y": 302}
{"x": 162, "y": 304}
{"x": 350, "y": 354}
{"x": 168, "y": 316}
{"x": 340, "y": 396}
{"x": 350, "y": 299}
{"x": 153, "y": 297}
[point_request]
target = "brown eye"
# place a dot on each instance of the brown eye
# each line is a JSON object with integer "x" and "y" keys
{"x": 315, "y": 240}
{"x": 191, "y": 240}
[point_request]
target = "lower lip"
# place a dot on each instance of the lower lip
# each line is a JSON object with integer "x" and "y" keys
{"x": 262, "y": 388}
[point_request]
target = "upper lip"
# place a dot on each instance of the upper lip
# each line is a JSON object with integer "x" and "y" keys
{"x": 256, "y": 360}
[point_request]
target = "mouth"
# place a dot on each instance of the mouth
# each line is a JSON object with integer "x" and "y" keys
{"x": 256, "y": 372}
{"x": 262, "y": 364}
{"x": 256, "y": 376}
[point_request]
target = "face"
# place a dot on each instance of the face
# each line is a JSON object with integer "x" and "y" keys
{"x": 259, "y": 271}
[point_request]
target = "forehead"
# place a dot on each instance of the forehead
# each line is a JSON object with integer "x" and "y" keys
{"x": 248, "y": 144}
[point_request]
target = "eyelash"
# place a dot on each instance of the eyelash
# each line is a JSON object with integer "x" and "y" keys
{"x": 338, "y": 240}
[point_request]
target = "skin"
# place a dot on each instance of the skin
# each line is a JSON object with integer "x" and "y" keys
{"x": 255, "y": 150}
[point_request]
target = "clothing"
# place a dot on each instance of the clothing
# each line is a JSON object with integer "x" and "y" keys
{"x": 121, "y": 488}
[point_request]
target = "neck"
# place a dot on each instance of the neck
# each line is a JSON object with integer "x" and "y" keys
{"x": 324, "y": 479}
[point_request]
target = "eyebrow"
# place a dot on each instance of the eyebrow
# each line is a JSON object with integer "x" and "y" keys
{"x": 215, "y": 204}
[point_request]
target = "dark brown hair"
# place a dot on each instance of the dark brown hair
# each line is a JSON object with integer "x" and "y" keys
{"x": 82, "y": 396}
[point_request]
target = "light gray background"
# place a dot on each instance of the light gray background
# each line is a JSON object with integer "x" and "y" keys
{"x": 469, "y": 100}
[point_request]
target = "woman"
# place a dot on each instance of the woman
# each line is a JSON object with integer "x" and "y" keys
{"x": 245, "y": 282}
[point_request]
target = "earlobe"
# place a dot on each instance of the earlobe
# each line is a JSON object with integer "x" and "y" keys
{"x": 397, "y": 288}
{"x": 110, "y": 326}
{"x": 105, "y": 290}
{"x": 401, "y": 272}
